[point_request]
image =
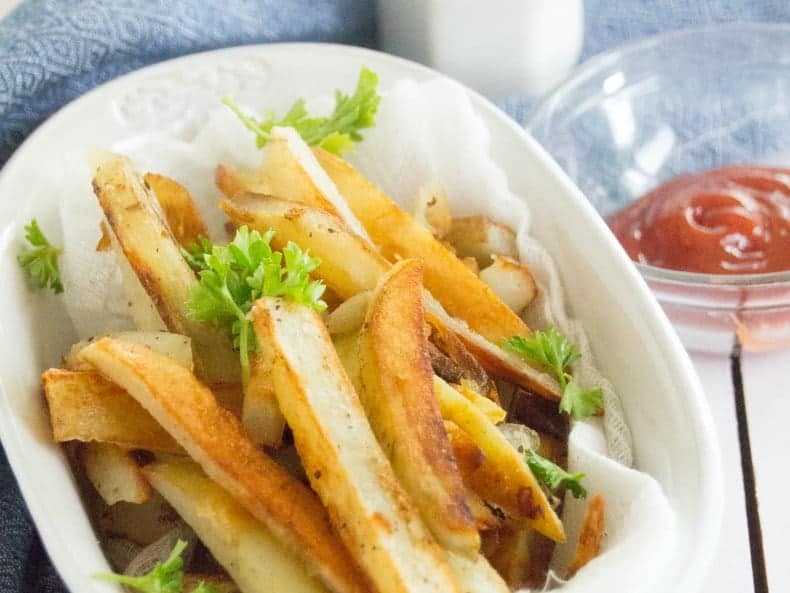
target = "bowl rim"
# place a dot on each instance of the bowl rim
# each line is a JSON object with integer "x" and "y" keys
{"x": 599, "y": 62}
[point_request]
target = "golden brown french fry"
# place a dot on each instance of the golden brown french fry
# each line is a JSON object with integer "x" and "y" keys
{"x": 84, "y": 406}
{"x": 349, "y": 315}
{"x": 114, "y": 474}
{"x": 492, "y": 410}
{"x": 350, "y": 265}
{"x": 341, "y": 456}
{"x": 503, "y": 477}
{"x": 230, "y": 396}
{"x": 182, "y": 214}
{"x": 153, "y": 253}
{"x": 481, "y": 238}
{"x": 217, "y": 441}
{"x": 261, "y": 414}
{"x": 475, "y": 574}
{"x": 497, "y": 361}
{"x": 590, "y": 535}
{"x": 398, "y": 235}
{"x": 256, "y": 559}
{"x": 399, "y": 399}
{"x": 231, "y": 181}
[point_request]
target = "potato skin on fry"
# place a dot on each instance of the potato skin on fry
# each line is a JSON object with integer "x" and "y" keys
{"x": 149, "y": 246}
{"x": 401, "y": 405}
{"x": 216, "y": 440}
{"x": 344, "y": 462}
{"x": 590, "y": 536}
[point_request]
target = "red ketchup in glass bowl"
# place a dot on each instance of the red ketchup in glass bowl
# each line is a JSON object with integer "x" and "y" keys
{"x": 732, "y": 220}
{"x": 717, "y": 247}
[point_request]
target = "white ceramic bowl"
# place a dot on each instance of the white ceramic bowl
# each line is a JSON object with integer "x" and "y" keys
{"x": 633, "y": 342}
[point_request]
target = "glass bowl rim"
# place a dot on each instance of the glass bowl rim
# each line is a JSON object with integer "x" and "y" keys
{"x": 600, "y": 62}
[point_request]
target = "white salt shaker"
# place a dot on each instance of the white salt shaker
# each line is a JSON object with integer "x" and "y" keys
{"x": 498, "y": 47}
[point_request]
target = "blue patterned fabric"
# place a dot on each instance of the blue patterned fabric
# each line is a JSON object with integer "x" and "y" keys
{"x": 52, "y": 51}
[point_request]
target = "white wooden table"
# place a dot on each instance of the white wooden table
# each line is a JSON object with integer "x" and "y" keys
{"x": 738, "y": 566}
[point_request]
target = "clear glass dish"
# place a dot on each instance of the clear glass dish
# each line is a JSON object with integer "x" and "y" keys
{"x": 678, "y": 103}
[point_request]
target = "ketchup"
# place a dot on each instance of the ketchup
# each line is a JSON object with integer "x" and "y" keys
{"x": 733, "y": 220}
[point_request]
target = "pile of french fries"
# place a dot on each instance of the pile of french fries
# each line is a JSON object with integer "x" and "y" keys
{"x": 366, "y": 452}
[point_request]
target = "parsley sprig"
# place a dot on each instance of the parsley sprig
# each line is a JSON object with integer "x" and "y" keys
{"x": 555, "y": 352}
{"x": 336, "y": 133}
{"x": 40, "y": 260}
{"x": 234, "y": 276}
{"x": 165, "y": 577}
{"x": 553, "y": 476}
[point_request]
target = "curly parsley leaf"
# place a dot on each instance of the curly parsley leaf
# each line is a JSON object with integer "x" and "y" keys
{"x": 336, "y": 133}
{"x": 553, "y": 476}
{"x": 234, "y": 276}
{"x": 165, "y": 577}
{"x": 556, "y": 353}
{"x": 40, "y": 260}
{"x": 580, "y": 403}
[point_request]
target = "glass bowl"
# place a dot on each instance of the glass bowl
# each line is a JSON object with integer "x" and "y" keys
{"x": 677, "y": 103}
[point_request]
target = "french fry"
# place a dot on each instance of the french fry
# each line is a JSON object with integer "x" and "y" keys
{"x": 470, "y": 368}
{"x": 84, "y": 406}
{"x": 256, "y": 559}
{"x": 590, "y": 535}
{"x": 349, "y": 315}
{"x": 174, "y": 345}
{"x": 114, "y": 474}
{"x": 181, "y": 212}
{"x": 217, "y": 441}
{"x": 491, "y": 410}
{"x": 398, "y": 235}
{"x": 289, "y": 170}
{"x": 481, "y": 238}
{"x": 261, "y": 414}
{"x": 398, "y": 396}
{"x": 503, "y": 477}
{"x": 341, "y": 456}
{"x": 230, "y": 396}
{"x": 153, "y": 253}
{"x": 511, "y": 281}
{"x": 497, "y": 361}
{"x": 350, "y": 265}
{"x": 476, "y": 575}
